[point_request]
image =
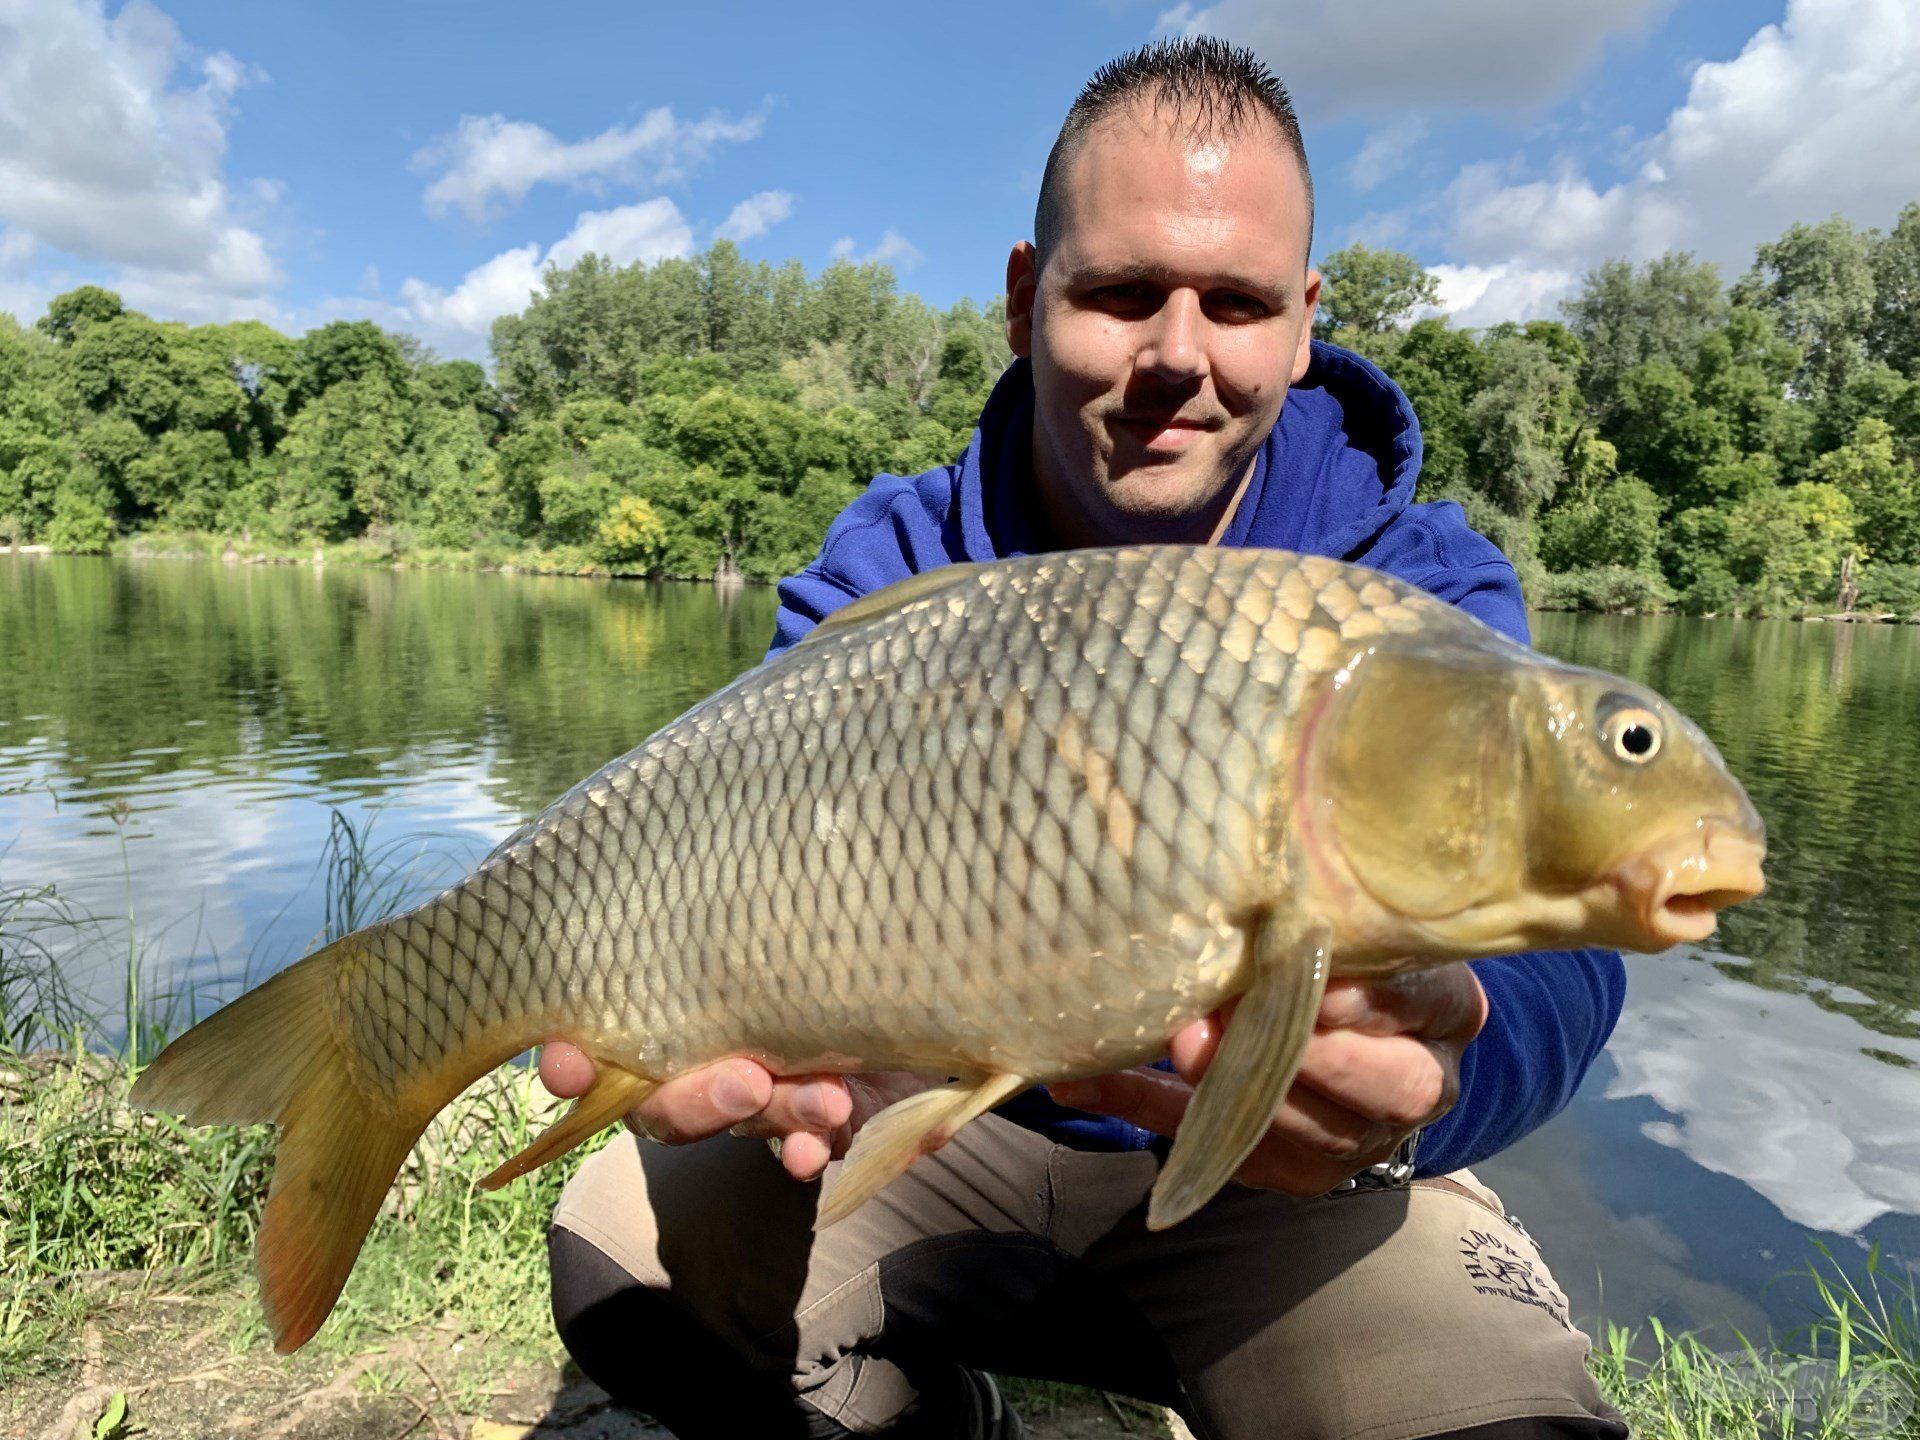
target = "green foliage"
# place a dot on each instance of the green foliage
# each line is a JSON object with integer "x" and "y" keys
{"x": 1884, "y": 488}
{"x": 1817, "y": 281}
{"x": 80, "y": 523}
{"x": 1889, "y": 589}
{"x": 1615, "y": 589}
{"x": 1727, "y": 448}
{"x": 1626, "y": 317}
{"x": 1618, "y": 527}
{"x": 632, "y": 536}
{"x": 1783, "y": 547}
{"x": 1371, "y": 291}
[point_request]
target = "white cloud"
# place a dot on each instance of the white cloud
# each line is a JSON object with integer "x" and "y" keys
{"x": 1386, "y": 151}
{"x": 454, "y": 319}
{"x": 1810, "y": 118}
{"x": 113, "y": 139}
{"x": 1396, "y": 57}
{"x": 1480, "y": 295}
{"x": 894, "y": 249}
{"x": 488, "y": 163}
{"x": 756, "y": 215}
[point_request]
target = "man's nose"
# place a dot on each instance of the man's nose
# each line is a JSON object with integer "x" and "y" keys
{"x": 1175, "y": 348}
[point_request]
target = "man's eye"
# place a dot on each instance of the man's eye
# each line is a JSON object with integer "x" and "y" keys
{"x": 1234, "y": 303}
{"x": 1119, "y": 296}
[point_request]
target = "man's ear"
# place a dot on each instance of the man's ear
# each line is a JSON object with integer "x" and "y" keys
{"x": 1023, "y": 283}
{"x": 1310, "y": 302}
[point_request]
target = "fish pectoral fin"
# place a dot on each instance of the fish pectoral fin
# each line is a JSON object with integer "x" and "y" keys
{"x": 903, "y": 1132}
{"x": 1258, "y": 1058}
{"x": 612, "y": 1095}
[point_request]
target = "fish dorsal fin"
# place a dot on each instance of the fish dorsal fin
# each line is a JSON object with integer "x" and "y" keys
{"x": 894, "y": 597}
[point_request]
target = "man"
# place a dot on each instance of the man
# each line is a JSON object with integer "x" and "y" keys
{"x": 1159, "y": 318}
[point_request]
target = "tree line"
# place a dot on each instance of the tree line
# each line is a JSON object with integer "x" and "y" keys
{"x": 1673, "y": 441}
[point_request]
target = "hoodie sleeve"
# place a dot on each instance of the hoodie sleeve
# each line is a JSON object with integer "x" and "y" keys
{"x": 1549, "y": 1011}
{"x": 887, "y": 534}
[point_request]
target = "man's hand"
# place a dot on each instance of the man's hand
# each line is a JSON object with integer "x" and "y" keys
{"x": 810, "y": 1118}
{"x": 1384, "y": 1061}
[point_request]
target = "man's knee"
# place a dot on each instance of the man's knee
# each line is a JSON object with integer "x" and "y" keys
{"x": 1392, "y": 1315}
{"x": 634, "y": 1340}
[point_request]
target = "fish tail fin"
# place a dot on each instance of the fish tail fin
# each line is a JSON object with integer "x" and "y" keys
{"x": 275, "y": 1055}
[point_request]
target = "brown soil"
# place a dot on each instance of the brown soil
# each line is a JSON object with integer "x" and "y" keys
{"x": 184, "y": 1377}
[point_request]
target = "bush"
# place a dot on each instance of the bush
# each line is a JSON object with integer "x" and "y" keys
{"x": 1618, "y": 527}
{"x": 80, "y": 525}
{"x": 632, "y": 536}
{"x": 1613, "y": 589}
{"x": 1891, "y": 589}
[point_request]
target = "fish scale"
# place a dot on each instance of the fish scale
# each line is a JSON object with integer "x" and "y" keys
{"x": 1004, "y": 824}
{"x": 672, "y": 860}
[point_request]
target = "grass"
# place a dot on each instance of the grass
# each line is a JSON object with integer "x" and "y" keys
{"x": 99, "y": 1202}
{"x": 1853, "y": 1373}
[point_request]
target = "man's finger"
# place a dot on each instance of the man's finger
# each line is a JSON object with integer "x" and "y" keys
{"x": 566, "y": 1070}
{"x": 703, "y": 1102}
{"x": 1307, "y": 1124}
{"x": 804, "y": 1154}
{"x": 818, "y": 1104}
{"x": 1396, "y": 1080}
{"x": 1444, "y": 1003}
{"x": 1152, "y": 1099}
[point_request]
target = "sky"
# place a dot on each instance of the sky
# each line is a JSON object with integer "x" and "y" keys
{"x": 418, "y": 162}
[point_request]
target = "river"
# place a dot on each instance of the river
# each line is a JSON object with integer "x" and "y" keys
{"x": 176, "y": 737}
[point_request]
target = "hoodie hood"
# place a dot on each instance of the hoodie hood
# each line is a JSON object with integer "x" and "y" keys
{"x": 1338, "y": 466}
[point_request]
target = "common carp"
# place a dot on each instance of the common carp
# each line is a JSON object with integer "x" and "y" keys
{"x": 1001, "y": 824}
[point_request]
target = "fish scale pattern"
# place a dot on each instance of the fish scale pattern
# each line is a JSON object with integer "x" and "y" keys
{"x": 1014, "y": 823}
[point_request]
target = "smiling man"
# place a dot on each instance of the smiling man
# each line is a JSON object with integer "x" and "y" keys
{"x": 1167, "y": 389}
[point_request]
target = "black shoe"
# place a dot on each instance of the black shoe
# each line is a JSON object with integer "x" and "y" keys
{"x": 993, "y": 1418}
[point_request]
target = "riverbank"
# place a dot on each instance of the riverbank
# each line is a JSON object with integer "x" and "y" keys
{"x": 127, "y": 1305}
{"x": 128, "y": 1287}
{"x": 1576, "y": 592}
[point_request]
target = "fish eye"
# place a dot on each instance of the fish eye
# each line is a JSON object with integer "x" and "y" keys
{"x": 1631, "y": 732}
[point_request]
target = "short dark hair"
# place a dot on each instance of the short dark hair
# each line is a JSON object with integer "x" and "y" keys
{"x": 1204, "y": 85}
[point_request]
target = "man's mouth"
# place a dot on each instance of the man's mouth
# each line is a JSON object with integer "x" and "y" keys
{"x": 1162, "y": 432}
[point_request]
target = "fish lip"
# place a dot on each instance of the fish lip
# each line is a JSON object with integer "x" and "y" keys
{"x": 1672, "y": 892}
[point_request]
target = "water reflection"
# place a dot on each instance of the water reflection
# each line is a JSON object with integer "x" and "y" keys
{"x": 1774, "y": 1091}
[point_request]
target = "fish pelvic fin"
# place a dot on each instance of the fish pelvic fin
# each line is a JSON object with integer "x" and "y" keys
{"x": 613, "y": 1094}
{"x": 1259, "y": 1056}
{"x": 903, "y": 1132}
{"x": 274, "y": 1055}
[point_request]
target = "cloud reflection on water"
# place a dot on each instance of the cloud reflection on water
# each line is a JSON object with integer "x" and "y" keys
{"x": 1773, "y": 1090}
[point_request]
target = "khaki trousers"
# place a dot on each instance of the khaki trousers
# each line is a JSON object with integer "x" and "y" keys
{"x": 688, "y": 1281}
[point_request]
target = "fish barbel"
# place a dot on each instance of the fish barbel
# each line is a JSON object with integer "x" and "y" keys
{"x": 1003, "y": 824}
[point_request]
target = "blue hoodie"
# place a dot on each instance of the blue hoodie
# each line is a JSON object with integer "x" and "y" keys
{"x": 1335, "y": 477}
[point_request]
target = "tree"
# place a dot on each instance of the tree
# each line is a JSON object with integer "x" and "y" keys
{"x": 1371, "y": 291}
{"x": 1629, "y": 316}
{"x": 1817, "y": 282}
{"x": 1883, "y": 488}
{"x": 1664, "y": 435}
{"x": 1619, "y": 525}
{"x": 1894, "y": 337}
{"x": 1520, "y": 423}
{"x": 67, "y": 315}
{"x": 1784, "y": 546}
{"x": 632, "y": 536}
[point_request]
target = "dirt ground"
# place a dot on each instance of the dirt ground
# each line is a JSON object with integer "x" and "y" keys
{"x": 173, "y": 1361}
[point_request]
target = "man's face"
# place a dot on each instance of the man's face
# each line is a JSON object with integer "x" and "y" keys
{"x": 1174, "y": 312}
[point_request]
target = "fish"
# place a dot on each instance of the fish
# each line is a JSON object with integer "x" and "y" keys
{"x": 1001, "y": 825}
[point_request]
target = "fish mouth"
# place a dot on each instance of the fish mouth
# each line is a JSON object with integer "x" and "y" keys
{"x": 1674, "y": 891}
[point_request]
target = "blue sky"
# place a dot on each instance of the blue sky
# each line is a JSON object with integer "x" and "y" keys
{"x": 419, "y": 162}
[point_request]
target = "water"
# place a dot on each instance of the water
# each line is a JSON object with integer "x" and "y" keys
{"x": 174, "y": 737}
